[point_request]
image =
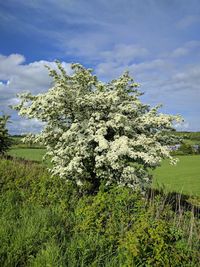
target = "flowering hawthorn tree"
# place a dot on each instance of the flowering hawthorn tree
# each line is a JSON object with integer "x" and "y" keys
{"x": 98, "y": 132}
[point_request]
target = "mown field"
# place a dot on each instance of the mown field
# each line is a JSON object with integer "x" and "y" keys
{"x": 183, "y": 177}
{"x": 34, "y": 154}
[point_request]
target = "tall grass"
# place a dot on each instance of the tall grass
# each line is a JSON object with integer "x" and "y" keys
{"x": 45, "y": 221}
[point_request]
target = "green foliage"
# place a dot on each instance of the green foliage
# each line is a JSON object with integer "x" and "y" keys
{"x": 192, "y": 136}
{"x": 186, "y": 149}
{"x": 98, "y": 132}
{"x": 152, "y": 242}
{"x": 117, "y": 228}
{"x": 5, "y": 140}
{"x": 34, "y": 183}
{"x": 188, "y": 135}
{"x": 45, "y": 221}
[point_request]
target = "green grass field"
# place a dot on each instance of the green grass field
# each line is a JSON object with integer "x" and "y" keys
{"x": 28, "y": 153}
{"x": 183, "y": 177}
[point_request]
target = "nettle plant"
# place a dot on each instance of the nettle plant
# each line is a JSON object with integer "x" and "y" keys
{"x": 98, "y": 132}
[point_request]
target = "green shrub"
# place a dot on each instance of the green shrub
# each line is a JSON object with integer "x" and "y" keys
{"x": 5, "y": 140}
{"x": 186, "y": 149}
{"x": 35, "y": 183}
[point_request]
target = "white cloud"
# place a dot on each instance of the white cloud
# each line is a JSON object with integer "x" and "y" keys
{"x": 165, "y": 80}
{"x": 19, "y": 77}
{"x": 24, "y": 126}
{"x": 33, "y": 76}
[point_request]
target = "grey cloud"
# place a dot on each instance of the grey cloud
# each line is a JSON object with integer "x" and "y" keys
{"x": 181, "y": 51}
{"x": 186, "y": 49}
{"x": 124, "y": 54}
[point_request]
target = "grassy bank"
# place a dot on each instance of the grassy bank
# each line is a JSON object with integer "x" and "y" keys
{"x": 45, "y": 221}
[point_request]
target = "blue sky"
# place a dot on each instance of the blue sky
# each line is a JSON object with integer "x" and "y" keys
{"x": 158, "y": 41}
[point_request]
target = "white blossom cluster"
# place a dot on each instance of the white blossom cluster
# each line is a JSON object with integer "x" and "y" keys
{"x": 99, "y": 132}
